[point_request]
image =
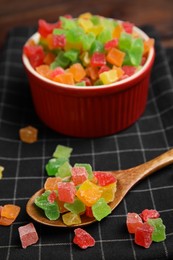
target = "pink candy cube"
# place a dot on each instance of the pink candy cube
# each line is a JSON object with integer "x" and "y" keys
{"x": 133, "y": 221}
{"x": 28, "y": 235}
{"x": 66, "y": 191}
{"x": 79, "y": 175}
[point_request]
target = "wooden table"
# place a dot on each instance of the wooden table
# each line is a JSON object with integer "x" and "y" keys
{"x": 157, "y": 13}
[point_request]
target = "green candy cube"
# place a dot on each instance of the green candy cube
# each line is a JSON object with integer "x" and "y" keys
{"x": 76, "y": 207}
{"x": 159, "y": 233}
{"x": 42, "y": 201}
{"x": 101, "y": 209}
{"x": 52, "y": 212}
{"x": 62, "y": 151}
{"x": 53, "y": 165}
{"x": 64, "y": 170}
{"x": 136, "y": 51}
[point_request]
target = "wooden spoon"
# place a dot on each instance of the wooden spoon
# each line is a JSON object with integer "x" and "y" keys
{"x": 126, "y": 179}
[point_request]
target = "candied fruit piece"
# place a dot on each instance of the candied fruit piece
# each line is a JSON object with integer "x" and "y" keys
{"x": 28, "y": 134}
{"x": 83, "y": 239}
{"x": 133, "y": 221}
{"x": 159, "y": 229}
{"x": 104, "y": 178}
{"x": 71, "y": 219}
{"x": 143, "y": 235}
{"x": 101, "y": 209}
{"x": 1, "y": 170}
{"x": 28, "y": 235}
{"x": 89, "y": 193}
{"x": 149, "y": 213}
{"x": 79, "y": 175}
{"x": 66, "y": 191}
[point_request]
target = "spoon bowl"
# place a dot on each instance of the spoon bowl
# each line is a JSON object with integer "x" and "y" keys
{"x": 126, "y": 179}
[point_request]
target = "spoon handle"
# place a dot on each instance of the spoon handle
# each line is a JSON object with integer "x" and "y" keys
{"x": 155, "y": 164}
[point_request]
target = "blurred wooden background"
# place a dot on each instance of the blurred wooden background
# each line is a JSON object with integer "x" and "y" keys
{"x": 158, "y": 13}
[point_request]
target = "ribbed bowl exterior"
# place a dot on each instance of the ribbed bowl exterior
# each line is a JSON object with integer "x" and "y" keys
{"x": 89, "y": 115}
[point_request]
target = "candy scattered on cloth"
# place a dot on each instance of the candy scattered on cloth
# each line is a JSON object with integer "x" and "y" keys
{"x": 8, "y": 214}
{"x": 28, "y": 235}
{"x": 83, "y": 239}
{"x": 147, "y": 227}
{"x": 28, "y": 134}
{"x": 88, "y": 50}
{"x": 1, "y": 170}
{"x": 70, "y": 192}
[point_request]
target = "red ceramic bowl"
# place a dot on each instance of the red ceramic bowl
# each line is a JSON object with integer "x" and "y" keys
{"x": 93, "y": 111}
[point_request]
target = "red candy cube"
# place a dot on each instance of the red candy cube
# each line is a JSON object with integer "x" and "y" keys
{"x": 143, "y": 235}
{"x": 111, "y": 44}
{"x": 104, "y": 178}
{"x": 35, "y": 54}
{"x": 45, "y": 28}
{"x": 79, "y": 175}
{"x": 28, "y": 235}
{"x": 133, "y": 221}
{"x": 149, "y": 213}
{"x": 66, "y": 191}
{"x": 98, "y": 59}
{"x": 83, "y": 239}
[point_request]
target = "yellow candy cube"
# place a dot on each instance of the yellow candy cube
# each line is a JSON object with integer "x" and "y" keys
{"x": 109, "y": 77}
{"x": 89, "y": 193}
{"x": 85, "y": 24}
{"x": 108, "y": 192}
{"x": 1, "y": 170}
{"x": 71, "y": 219}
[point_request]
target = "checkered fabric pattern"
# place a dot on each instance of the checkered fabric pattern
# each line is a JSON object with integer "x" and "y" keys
{"x": 24, "y": 164}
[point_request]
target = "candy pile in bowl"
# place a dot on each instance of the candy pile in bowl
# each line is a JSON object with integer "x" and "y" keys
{"x": 89, "y": 76}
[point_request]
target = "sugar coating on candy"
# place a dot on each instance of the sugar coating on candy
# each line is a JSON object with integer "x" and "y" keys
{"x": 28, "y": 134}
{"x": 133, "y": 221}
{"x": 28, "y": 235}
{"x": 149, "y": 213}
{"x": 143, "y": 235}
{"x": 83, "y": 239}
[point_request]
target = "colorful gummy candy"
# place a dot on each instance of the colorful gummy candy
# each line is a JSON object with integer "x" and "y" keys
{"x": 147, "y": 227}
{"x": 83, "y": 239}
{"x": 8, "y": 214}
{"x": 28, "y": 235}
{"x": 1, "y": 170}
{"x": 88, "y": 50}
{"x": 74, "y": 191}
{"x": 28, "y": 134}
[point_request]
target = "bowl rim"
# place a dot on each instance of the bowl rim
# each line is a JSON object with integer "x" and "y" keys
{"x": 118, "y": 85}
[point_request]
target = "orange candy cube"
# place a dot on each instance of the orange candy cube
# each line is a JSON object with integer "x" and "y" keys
{"x": 89, "y": 193}
{"x": 78, "y": 72}
{"x": 8, "y": 214}
{"x": 66, "y": 78}
{"x": 51, "y": 183}
{"x": 115, "y": 57}
{"x": 28, "y": 134}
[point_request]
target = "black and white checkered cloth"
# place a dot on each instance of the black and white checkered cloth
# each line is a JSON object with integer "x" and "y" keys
{"x": 25, "y": 173}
